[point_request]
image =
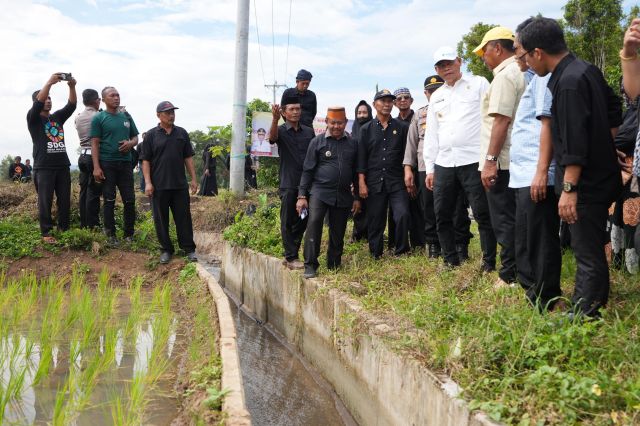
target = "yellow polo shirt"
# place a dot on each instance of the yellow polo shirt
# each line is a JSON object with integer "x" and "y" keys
{"x": 502, "y": 98}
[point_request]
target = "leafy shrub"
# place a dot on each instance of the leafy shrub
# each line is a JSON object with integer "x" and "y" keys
{"x": 259, "y": 231}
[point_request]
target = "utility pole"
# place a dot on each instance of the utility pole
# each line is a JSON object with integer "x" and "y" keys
{"x": 275, "y": 87}
{"x": 239, "y": 124}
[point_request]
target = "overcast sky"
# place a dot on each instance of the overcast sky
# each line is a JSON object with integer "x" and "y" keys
{"x": 183, "y": 51}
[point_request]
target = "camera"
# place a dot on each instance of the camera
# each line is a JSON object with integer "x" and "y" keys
{"x": 65, "y": 76}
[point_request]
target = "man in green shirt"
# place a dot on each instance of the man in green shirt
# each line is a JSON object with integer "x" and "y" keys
{"x": 113, "y": 135}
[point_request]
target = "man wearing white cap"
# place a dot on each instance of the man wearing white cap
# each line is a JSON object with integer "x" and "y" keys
{"x": 452, "y": 148}
{"x": 499, "y": 107}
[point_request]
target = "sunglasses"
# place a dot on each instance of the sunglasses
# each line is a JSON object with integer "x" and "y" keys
{"x": 403, "y": 97}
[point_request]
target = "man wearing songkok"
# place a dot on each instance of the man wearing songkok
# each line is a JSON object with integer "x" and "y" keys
{"x": 293, "y": 140}
{"x": 325, "y": 188}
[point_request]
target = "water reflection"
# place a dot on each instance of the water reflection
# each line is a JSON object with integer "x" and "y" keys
{"x": 21, "y": 358}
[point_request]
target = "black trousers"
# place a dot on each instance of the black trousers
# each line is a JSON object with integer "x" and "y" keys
{"x": 176, "y": 200}
{"x": 291, "y": 226}
{"x": 49, "y": 182}
{"x": 416, "y": 224}
{"x": 461, "y": 221}
{"x": 360, "y": 222}
{"x": 502, "y": 207}
{"x": 118, "y": 174}
{"x": 537, "y": 246}
{"x": 446, "y": 180}
{"x": 338, "y": 217}
{"x": 588, "y": 238}
{"x": 377, "y": 206}
{"x": 89, "y": 203}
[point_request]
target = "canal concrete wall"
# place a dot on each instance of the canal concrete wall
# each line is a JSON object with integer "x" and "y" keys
{"x": 379, "y": 385}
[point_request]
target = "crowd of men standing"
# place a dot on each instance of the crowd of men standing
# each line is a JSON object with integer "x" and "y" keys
{"x": 533, "y": 148}
{"x": 106, "y": 163}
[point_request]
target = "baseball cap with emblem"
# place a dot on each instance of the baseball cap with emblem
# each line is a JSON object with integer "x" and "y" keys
{"x": 433, "y": 82}
{"x": 496, "y": 33}
{"x": 165, "y": 106}
{"x": 384, "y": 93}
{"x": 445, "y": 53}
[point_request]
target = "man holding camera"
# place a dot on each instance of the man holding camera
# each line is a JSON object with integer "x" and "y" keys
{"x": 50, "y": 159}
{"x": 89, "y": 205}
{"x": 113, "y": 135}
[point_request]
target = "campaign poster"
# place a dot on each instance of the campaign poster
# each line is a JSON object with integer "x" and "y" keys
{"x": 260, "y": 125}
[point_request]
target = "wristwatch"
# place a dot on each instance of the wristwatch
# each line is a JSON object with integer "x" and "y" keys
{"x": 491, "y": 158}
{"x": 568, "y": 187}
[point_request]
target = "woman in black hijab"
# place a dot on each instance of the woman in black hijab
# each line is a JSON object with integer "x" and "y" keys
{"x": 208, "y": 184}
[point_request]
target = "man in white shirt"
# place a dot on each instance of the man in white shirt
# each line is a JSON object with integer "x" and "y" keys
{"x": 452, "y": 148}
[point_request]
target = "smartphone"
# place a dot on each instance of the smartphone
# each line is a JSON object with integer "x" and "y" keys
{"x": 304, "y": 212}
{"x": 65, "y": 76}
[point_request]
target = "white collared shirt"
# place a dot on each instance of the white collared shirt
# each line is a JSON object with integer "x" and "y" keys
{"x": 453, "y": 123}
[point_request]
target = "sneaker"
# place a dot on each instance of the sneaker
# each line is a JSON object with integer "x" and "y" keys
{"x": 295, "y": 264}
{"x": 434, "y": 251}
{"x": 309, "y": 272}
{"x": 631, "y": 260}
{"x": 191, "y": 257}
{"x": 128, "y": 239}
{"x": 500, "y": 283}
{"x": 165, "y": 257}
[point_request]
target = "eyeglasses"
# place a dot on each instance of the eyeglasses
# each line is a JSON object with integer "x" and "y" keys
{"x": 403, "y": 97}
{"x": 521, "y": 57}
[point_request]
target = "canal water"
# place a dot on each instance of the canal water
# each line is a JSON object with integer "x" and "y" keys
{"x": 281, "y": 388}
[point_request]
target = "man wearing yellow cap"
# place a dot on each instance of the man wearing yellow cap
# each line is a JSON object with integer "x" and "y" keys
{"x": 499, "y": 106}
{"x": 328, "y": 172}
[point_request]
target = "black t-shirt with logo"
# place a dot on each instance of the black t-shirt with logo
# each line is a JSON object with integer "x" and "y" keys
{"x": 166, "y": 153}
{"x": 47, "y": 134}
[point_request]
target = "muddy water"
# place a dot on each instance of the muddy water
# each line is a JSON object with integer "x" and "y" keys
{"x": 280, "y": 387}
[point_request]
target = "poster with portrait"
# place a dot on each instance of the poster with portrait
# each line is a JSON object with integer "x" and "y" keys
{"x": 260, "y": 125}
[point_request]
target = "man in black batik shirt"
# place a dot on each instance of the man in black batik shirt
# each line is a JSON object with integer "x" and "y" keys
{"x": 329, "y": 171}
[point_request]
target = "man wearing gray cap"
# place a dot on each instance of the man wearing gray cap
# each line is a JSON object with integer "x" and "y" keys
{"x": 381, "y": 146}
{"x": 452, "y": 149}
{"x": 166, "y": 152}
{"x": 308, "y": 100}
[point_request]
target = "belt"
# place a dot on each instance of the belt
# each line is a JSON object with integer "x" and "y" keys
{"x": 85, "y": 151}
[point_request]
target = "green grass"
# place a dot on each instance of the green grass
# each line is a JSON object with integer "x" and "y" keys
{"x": 517, "y": 365}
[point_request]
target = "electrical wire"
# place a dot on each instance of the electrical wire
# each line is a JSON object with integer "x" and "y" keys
{"x": 273, "y": 41}
{"x": 255, "y": 14}
{"x": 286, "y": 62}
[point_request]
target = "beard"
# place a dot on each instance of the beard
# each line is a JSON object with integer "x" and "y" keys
{"x": 362, "y": 120}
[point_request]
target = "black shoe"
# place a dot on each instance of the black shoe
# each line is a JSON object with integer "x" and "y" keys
{"x": 165, "y": 257}
{"x": 191, "y": 257}
{"x": 434, "y": 250}
{"x": 112, "y": 241}
{"x": 463, "y": 252}
{"x": 309, "y": 272}
{"x": 485, "y": 267}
